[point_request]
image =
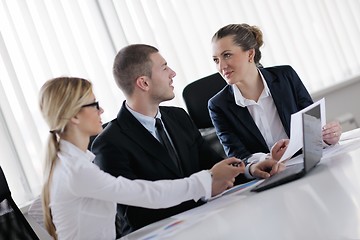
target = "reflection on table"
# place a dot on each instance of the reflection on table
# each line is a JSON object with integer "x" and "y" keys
{"x": 324, "y": 204}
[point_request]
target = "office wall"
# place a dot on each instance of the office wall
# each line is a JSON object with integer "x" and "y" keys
{"x": 342, "y": 103}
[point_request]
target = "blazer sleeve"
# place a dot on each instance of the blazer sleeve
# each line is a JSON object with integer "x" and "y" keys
{"x": 302, "y": 96}
{"x": 225, "y": 131}
{"x": 108, "y": 158}
{"x": 288, "y": 92}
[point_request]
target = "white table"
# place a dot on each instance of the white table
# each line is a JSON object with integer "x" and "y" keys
{"x": 325, "y": 204}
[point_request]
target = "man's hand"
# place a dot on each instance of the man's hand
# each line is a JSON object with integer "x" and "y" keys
{"x": 224, "y": 173}
{"x": 266, "y": 168}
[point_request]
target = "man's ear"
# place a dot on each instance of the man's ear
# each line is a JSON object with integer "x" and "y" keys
{"x": 142, "y": 82}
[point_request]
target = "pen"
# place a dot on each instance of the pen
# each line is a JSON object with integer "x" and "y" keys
{"x": 244, "y": 160}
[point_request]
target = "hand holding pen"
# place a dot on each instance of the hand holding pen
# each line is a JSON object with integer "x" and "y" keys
{"x": 224, "y": 173}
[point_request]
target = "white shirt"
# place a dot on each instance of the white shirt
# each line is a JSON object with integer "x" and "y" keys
{"x": 265, "y": 116}
{"x": 83, "y": 198}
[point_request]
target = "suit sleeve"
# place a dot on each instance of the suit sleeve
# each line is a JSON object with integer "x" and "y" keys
{"x": 232, "y": 145}
{"x": 110, "y": 159}
{"x": 301, "y": 94}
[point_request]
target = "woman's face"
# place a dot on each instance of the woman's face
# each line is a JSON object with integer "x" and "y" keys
{"x": 89, "y": 117}
{"x": 232, "y": 62}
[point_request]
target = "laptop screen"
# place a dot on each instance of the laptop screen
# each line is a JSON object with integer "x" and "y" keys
{"x": 312, "y": 137}
{"x": 311, "y": 119}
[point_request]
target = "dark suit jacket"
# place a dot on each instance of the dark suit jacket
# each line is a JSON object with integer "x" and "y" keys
{"x": 234, "y": 125}
{"x": 126, "y": 148}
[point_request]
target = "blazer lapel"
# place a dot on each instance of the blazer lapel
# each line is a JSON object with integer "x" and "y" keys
{"x": 277, "y": 90}
{"x": 245, "y": 119}
{"x": 133, "y": 129}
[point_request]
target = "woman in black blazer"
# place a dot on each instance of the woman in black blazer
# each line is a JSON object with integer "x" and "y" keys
{"x": 253, "y": 111}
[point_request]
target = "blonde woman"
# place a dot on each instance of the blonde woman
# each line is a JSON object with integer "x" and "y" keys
{"x": 79, "y": 199}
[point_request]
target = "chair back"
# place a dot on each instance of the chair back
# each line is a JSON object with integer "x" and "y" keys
{"x": 196, "y": 96}
{"x": 13, "y": 224}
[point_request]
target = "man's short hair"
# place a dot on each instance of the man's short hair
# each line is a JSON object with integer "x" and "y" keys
{"x": 130, "y": 63}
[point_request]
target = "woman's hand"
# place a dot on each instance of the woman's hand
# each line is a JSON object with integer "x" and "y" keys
{"x": 331, "y": 133}
{"x": 279, "y": 148}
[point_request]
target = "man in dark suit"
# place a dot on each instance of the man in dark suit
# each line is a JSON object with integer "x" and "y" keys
{"x": 130, "y": 145}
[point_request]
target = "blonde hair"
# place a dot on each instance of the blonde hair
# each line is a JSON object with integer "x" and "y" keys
{"x": 60, "y": 99}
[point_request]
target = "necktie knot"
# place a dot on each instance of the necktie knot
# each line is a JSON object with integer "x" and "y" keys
{"x": 158, "y": 123}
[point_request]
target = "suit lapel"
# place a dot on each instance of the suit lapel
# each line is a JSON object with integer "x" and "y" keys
{"x": 133, "y": 129}
{"x": 277, "y": 90}
{"x": 244, "y": 117}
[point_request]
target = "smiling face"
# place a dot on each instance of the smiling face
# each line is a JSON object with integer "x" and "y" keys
{"x": 89, "y": 117}
{"x": 161, "y": 80}
{"x": 232, "y": 62}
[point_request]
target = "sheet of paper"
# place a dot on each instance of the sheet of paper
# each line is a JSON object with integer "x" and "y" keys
{"x": 237, "y": 188}
{"x": 296, "y": 129}
{"x": 341, "y": 148}
{"x": 352, "y": 134}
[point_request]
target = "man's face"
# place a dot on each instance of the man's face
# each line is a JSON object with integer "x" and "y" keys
{"x": 161, "y": 88}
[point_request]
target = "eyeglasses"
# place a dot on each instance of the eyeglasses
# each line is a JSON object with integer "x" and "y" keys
{"x": 94, "y": 104}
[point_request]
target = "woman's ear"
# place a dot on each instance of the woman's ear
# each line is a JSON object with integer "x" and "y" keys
{"x": 75, "y": 120}
{"x": 251, "y": 54}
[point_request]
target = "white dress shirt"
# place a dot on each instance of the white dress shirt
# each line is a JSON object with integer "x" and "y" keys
{"x": 83, "y": 198}
{"x": 265, "y": 116}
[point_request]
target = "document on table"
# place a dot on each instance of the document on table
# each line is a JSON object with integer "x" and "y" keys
{"x": 236, "y": 188}
{"x": 350, "y": 135}
{"x": 349, "y": 140}
{"x": 296, "y": 129}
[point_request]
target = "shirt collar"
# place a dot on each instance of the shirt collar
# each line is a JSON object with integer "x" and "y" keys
{"x": 244, "y": 102}
{"x": 72, "y": 150}
{"x": 146, "y": 121}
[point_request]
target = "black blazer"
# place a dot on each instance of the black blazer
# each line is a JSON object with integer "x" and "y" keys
{"x": 234, "y": 125}
{"x": 126, "y": 148}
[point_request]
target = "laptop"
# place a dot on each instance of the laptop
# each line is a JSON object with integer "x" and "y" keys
{"x": 312, "y": 152}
